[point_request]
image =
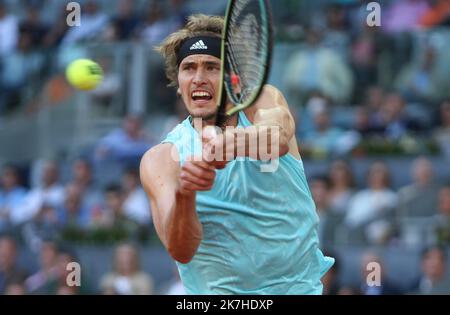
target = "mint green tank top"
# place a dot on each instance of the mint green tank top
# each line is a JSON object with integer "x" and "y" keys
{"x": 259, "y": 228}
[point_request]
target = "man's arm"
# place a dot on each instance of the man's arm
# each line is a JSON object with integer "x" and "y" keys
{"x": 171, "y": 189}
{"x": 273, "y": 127}
{"x": 271, "y": 110}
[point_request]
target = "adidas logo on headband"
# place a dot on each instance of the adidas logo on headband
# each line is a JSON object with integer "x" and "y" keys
{"x": 198, "y": 45}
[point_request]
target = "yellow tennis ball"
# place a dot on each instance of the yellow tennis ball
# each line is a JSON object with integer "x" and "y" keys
{"x": 84, "y": 74}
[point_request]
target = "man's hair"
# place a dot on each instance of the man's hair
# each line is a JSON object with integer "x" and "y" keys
{"x": 197, "y": 25}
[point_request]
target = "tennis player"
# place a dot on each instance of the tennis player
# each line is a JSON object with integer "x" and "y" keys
{"x": 231, "y": 228}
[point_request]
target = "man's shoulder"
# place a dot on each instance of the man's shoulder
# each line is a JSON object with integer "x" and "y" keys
{"x": 160, "y": 152}
{"x": 270, "y": 97}
{"x": 161, "y": 158}
{"x": 158, "y": 163}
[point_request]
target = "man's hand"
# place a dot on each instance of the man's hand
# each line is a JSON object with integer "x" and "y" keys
{"x": 218, "y": 149}
{"x": 196, "y": 176}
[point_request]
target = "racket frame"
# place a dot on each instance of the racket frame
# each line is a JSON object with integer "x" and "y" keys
{"x": 224, "y": 89}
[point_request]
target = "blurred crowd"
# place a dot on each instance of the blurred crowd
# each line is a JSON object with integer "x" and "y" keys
{"x": 30, "y": 44}
{"x": 51, "y": 275}
{"x": 417, "y": 214}
{"x": 358, "y": 89}
{"x": 355, "y": 91}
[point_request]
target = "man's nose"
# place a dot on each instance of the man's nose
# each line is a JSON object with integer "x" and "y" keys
{"x": 199, "y": 77}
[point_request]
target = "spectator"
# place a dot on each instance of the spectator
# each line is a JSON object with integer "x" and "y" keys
{"x": 417, "y": 205}
{"x": 74, "y": 214}
{"x": 385, "y": 287}
{"x": 83, "y": 179}
{"x": 125, "y": 23}
{"x": 42, "y": 282}
{"x": 397, "y": 122}
{"x": 19, "y": 69}
{"x": 126, "y": 144}
{"x": 136, "y": 205}
{"x": 57, "y": 30}
{"x": 61, "y": 286}
{"x": 156, "y": 25}
{"x": 443, "y": 217}
{"x": 368, "y": 216}
{"x": 404, "y": 15}
{"x": 337, "y": 35}
{"x": 9, "y": 31}
{"x": 94, "y": 25}
{"x": 49, "y": 194}
{"x": 113, "y": 216}
{"x": 342, "y": 185}
{"x": 320, "y": 186}
{"x": 178, "y": 12}
{"x": 438, "y": 14}
{"x": 11, "y": 194}
{"x": 10, "y": 272}
{"x": 373, "y": 102}
{"x": 419, "y": 199}
{"x": 323, "y": 140}
{"x": 420, "y": 80}
{"x": 330, "y": 280}
{"x": 442, "y": 133}
{"x": 126, "y": 277}
{"x": 33, "y": 26}
{"x": 365, "y": 52}
{"x": 329, "y": 220}
{"x": 434, "y": 278}
{"x": 318, "y": 68}
{"x": 368, "y": 118}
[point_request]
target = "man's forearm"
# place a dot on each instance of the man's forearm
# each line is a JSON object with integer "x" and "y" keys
{"x": 183, "y": 230}
{"x": 261, "y": 142}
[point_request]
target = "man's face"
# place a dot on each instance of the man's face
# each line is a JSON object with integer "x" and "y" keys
{"x": 199, "y": 79}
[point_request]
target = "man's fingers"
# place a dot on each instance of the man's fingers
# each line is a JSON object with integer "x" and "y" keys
{"x": 200, "y": 169}
{"x": 191, "y": 185}
{"x": 196, "y": 180}
{"x": 198, "y": 161}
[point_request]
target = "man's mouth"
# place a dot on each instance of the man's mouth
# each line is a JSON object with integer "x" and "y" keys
{"x": 201, "y": 95}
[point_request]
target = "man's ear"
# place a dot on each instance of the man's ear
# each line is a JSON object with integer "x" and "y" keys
{"x": 178, "y": 92}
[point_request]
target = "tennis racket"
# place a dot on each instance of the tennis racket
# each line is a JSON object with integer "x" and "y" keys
{"x": 245, "y": 55}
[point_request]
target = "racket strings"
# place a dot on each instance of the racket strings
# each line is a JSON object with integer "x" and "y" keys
{"x": 247, "y": 44}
